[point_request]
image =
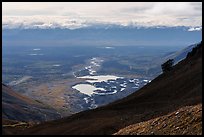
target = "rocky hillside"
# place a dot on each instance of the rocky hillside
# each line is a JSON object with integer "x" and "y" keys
{"x": 184, "y": 121}
{"x": 170, "y": 104}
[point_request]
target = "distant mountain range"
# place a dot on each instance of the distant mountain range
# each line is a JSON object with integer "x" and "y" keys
{"x": 102, "y": 36}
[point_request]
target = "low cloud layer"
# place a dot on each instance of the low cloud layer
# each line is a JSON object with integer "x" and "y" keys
{"x": 83, "y": 14}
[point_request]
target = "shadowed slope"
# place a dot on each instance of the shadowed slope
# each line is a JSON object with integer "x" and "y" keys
{"x": 21, "y": 108}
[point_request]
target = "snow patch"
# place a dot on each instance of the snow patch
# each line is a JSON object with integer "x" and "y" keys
{"x": 56, "y": 65}
{"x": 36, "y": 49}
{"x": 109, "y": 47}
{"x": 145, "y": 80}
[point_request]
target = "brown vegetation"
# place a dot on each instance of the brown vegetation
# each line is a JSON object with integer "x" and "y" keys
{"x": 185, "y": 121}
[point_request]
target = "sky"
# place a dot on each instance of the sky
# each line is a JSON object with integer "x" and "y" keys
{"x": 82, "y": 14}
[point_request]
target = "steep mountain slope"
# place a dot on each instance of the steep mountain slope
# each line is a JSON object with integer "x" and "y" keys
{"x": 180, "y": 55}
{"x": 186, "y": 120}
{"x": 21, "y": 108}
{"x": 164, "y": 96}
